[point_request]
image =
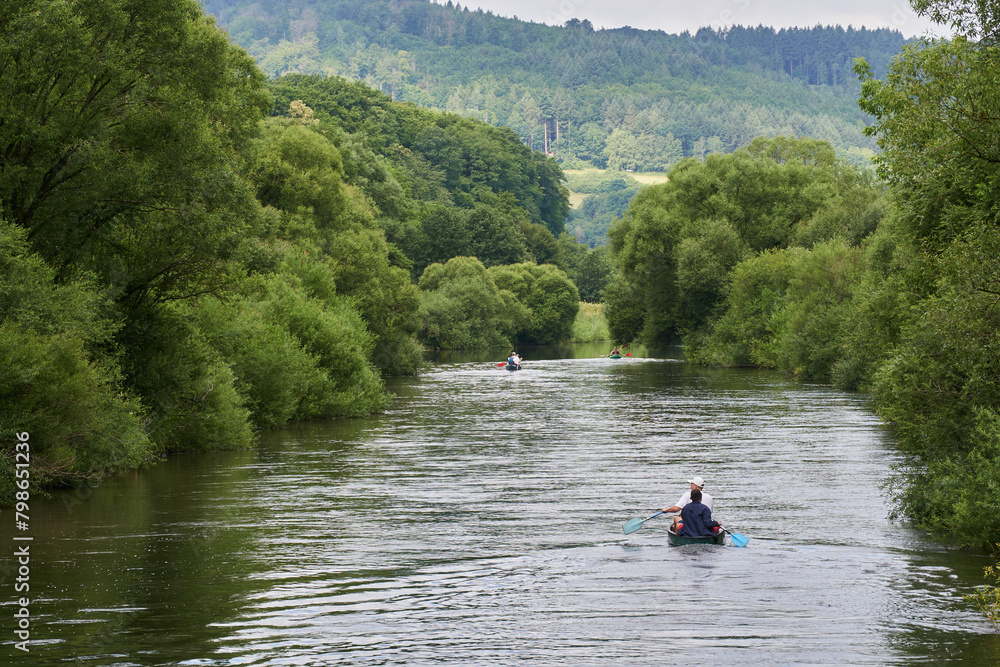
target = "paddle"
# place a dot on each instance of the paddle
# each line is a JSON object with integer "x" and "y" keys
{"x": 633, "y": 525}
{"x": 501, "y": 364}
{"x": 738, "y": 540}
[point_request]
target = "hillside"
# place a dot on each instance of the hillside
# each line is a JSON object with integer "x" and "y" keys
{"x": 621, "y": 98}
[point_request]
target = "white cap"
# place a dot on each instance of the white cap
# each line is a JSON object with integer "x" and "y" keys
{"x": 697, "y": 481}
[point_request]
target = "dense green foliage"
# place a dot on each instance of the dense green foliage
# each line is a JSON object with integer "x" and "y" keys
{"x": 180, "y": 270}
{"x": 80, "y": 420}
{"x": 464, "y": 305}
{"x": 446, "y": 158}
{"x": 681, "y": 242}
{"x": 549, "y": 297}
{"x": 622, "y": 98}
{"x": 451, "y": 187}
{"x": 937, "y": 115}
{"x": 120, "y": 157}
{"x": 608, "y": 197}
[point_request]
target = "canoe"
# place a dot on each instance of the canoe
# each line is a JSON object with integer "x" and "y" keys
{"x": 614, "y": 356}
{"x": 513, "y": 367}
{"x": 676, "y": 540}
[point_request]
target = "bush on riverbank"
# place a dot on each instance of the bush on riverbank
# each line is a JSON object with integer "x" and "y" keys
{"x": 462, "y": 308}
{"x": 987, "y": 598}
{"x": 590, "y": 325}
{"x": 58, "y": 386}
{"x": 549, "y": 297}
{"x": 466, "y": 306}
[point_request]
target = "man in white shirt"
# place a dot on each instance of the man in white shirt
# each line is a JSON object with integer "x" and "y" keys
{"x": 696, "y": 483}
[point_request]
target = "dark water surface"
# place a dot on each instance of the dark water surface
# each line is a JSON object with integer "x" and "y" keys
{"x": 478, "y": 522}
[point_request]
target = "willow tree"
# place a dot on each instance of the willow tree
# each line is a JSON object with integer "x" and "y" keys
{"x": 124, "y": 125}
{"x": 120, "y": 146}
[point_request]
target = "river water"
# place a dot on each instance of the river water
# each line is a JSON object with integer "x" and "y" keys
{"x": 478, "y": 522}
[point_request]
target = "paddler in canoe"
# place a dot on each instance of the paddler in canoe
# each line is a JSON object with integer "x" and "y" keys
{"x": 697, "y": 484}
{"x": 696, "y": 523}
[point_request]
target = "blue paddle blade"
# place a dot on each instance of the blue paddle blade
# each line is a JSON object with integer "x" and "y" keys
{"x": 739, "y": 540}
{"x": 632, "y": 525}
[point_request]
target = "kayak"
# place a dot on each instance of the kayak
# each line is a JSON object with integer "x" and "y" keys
{"x": 513, "y": 367}
{"x": 676, "y": 540}
{"x": 614, "y": 356}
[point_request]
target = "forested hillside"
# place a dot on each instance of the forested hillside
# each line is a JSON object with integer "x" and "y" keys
{"x": 622, "y": 98}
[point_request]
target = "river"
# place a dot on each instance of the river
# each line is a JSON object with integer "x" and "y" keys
{"x": 479, "y": 522}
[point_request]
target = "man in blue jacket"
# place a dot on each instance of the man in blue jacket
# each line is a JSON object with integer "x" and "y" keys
{"x": 696, "y": 518}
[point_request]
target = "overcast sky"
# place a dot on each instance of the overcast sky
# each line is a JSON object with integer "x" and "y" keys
{"x": 675, "y": 16}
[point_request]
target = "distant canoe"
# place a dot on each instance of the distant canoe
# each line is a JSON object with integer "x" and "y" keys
{"x": 676, "y": 540}
{"x": 513, "y": 367}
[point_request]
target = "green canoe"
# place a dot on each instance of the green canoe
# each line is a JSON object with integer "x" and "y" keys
{"x": 676, "y": 540}
{"x": 614, "y": 356}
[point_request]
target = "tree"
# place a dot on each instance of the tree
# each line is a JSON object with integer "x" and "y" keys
{"x": 122, "y": 156}
{"x": 300, "y": 173}
{"x": 622, "y": 151}
{"x": 461, "y": 307}
{"x": 550, "y": 297}
{"x": 679, "y": 241}
{"x": 123, "y": 123}
{"x": 594, "y": 273}
{"x": 975, "y": 19}
{"x": 83, "y": 422}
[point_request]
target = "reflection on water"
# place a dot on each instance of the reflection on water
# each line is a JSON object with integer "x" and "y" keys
{"x": 479, "y": 522}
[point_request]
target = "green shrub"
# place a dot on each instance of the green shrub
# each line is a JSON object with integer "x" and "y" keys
{"x": 590, "y": 325}
{"x": 987, "y": 598}
{"x": 334, "y": 333}
{"x": 186, "y": 385}
{"x": 549, "y": 295}
{"x": 461, "y": 307}
{"x": 81, "y": 423}
{"x": 272, "y": 370}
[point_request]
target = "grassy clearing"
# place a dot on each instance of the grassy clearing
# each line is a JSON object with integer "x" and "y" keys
{"x": 643, "y": 177}
{"x": 590, "y": 325}
{"x": 649, "y": 177}
{"x": 576, "y": 198}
